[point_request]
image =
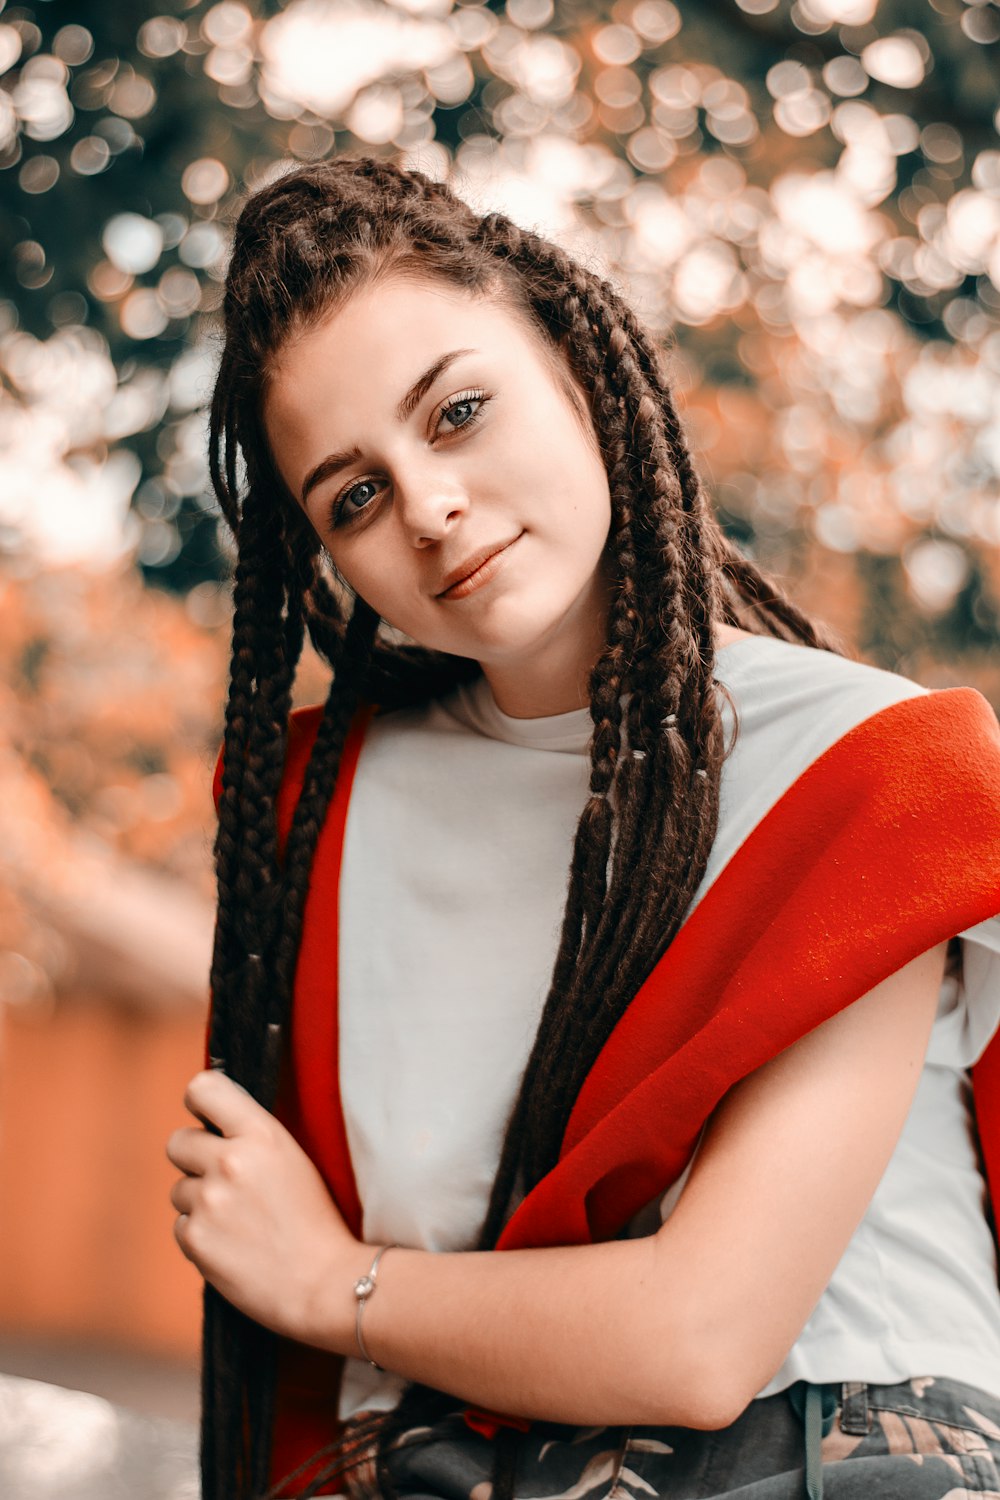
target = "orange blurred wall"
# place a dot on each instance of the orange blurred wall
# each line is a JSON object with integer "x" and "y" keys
{"x": 90, "y": 1089}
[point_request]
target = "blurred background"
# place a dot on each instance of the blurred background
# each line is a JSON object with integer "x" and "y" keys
{"x": 803, "y": 198}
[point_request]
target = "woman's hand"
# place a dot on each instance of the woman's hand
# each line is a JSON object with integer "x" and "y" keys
{"x": 256, "y": 1218}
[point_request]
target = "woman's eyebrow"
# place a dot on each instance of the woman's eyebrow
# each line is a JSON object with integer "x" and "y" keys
{"x": 334, "y": 462}
{"x": 420, "y": 387}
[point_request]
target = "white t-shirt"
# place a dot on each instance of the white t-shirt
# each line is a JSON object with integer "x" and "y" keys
{"x": 456, "y": 855}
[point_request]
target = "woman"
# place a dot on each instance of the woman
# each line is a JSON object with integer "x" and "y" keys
{"x": 463, "y": 473}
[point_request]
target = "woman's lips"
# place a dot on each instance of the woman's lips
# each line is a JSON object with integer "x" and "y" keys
{"x": 479, "y": 572}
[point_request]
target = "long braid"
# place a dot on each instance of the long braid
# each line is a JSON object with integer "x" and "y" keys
{"x": 236, "y": 1438}
{"x": 311, "y": 808}
{"x": 575, "y": 1026}
{"x": 231, "y": 1343}
{"x": 229, "y": 837}
{"x": 257, "y": 887}
{"x": 588, "y": 892}
{"x": 303, "y": 245}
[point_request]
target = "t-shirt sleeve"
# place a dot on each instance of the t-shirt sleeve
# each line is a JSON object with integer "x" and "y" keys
{"x": 969, "y": 1008}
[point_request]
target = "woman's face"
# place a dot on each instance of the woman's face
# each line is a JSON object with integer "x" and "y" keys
{"x": 457, "y": 487}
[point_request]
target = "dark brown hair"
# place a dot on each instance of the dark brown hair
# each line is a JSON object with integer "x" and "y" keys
{"x": 303, "y": 245}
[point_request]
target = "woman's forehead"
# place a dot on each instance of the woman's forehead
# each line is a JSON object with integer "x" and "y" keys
{"x": 383, "y": 330}
{"x": 401, "y": 305}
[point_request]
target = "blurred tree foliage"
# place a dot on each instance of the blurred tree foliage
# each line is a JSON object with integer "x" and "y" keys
{"x": 807, "y": 196}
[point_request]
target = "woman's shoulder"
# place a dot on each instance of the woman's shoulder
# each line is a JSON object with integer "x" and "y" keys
{"x": 786, "y": 693}
{"x": 786, "y": 705}
{"x": 780, "y": 669}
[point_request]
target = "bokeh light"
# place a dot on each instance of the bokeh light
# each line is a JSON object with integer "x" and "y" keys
{"x": 762, "y": 210}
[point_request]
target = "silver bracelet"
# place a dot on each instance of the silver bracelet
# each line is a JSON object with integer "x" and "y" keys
{"x": 363, "y": 1289}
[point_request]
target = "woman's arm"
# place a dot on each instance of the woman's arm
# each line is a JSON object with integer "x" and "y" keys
{"x": 683, "y": 1326}
{"x": 686, "y": 1325}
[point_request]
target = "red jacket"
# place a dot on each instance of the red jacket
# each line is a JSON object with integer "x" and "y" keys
{"x": 886, "y": 845}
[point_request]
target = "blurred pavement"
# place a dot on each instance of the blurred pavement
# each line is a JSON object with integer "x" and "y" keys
{"x": 58, "y": 1444}
{"x": 151, "y": 1386}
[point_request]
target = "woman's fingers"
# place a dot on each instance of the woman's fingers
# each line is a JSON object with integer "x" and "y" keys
{"x": 216, "y": 1099}
{"x": 181, "y": 1235}
{"x": 183, "y": 1193}
{"x": 192, "y": 1150}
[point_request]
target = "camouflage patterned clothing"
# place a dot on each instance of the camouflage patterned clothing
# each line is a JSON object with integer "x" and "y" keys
{"x": 923, "y": 1439}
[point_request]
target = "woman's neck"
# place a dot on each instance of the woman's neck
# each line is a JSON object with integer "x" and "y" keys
{"x": 559, "y": 682}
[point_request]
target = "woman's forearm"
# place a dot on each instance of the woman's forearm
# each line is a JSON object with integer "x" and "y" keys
{"x": 686, "y": 1325}
{"x": 566, "y": 1334}
{"x": 591, "y": 1335}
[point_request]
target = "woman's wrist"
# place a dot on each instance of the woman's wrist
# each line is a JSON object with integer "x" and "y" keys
{"x": 331, "y": 1321}
{"x": 364, "y": 1288}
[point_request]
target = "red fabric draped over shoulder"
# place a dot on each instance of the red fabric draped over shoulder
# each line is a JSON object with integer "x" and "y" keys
{"x": 886, "y": 845}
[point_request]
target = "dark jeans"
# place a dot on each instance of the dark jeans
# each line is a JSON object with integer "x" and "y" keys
{"x": 924, "y": 1439}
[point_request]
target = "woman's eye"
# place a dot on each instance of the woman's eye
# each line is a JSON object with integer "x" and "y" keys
{"x": 461, "y": 413}
{"x": 355, "y": 499}
{"x": 464, "y": 411}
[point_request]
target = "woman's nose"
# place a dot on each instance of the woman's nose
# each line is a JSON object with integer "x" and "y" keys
{"x": 429, "y": 506}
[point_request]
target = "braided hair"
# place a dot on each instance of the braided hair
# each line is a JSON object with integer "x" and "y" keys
{"x": 303, "y": 245}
